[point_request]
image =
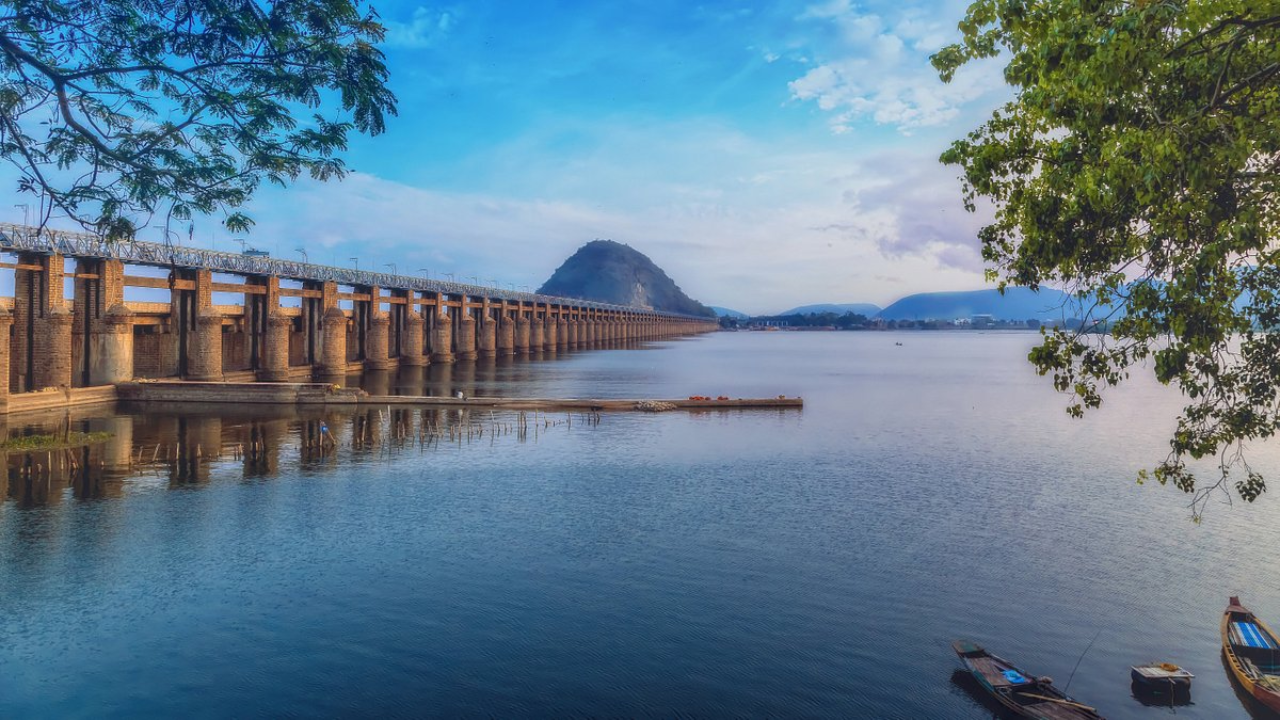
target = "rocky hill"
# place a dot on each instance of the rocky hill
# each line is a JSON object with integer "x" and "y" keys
{"x": 612, "y": 272}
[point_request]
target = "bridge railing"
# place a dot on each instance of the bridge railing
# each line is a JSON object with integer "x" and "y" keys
{"x": 23, "y": 238}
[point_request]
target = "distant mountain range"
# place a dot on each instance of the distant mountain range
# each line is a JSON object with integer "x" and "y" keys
{"x": 1015, "y": 304}
{"x": 839, "y": 309}
{"x": 612, "y": 272}
{"x": 726, "y": 312}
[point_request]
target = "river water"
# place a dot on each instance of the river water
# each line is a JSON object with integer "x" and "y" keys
{"x": 816, "y": 563}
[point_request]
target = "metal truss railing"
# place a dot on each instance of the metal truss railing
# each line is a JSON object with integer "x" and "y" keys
{"x": 23, "y": 238}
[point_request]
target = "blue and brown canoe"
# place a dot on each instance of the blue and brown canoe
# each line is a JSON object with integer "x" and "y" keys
{"x": 1252, "y": 652}
{"x": 1022, "y": 693}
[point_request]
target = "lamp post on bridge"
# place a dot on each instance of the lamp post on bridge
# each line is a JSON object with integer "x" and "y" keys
{"x": 356, "y": 260}
{"x": 303, "y": 252}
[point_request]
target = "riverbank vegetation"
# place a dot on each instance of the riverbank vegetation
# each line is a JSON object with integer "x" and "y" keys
{"x": 59, "y": 441}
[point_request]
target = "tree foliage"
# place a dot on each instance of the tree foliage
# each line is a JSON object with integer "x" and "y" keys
{"x": 119, "y": 111}
{"x": 1137, "y": 164}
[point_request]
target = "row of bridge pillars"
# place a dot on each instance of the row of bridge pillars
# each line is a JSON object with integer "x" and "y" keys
{"x": 90, "y": 341}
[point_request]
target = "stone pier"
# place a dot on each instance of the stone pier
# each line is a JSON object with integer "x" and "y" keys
{"x": 506, "y": 336}
{"x": 333, "y": 358}
{"x": 522, "y": 336}
{"x": 466, "y": 338}
{"x": 411, "y": 351}
{"x": 276, "y": 365}
{"x": 488, "y": 342}
{"x": 536, "y": 328}
{"x": 442, "y": 340}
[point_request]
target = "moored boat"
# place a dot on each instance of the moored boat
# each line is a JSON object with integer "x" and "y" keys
{"x": 1162, "y": 676}
{"x": 1022, "y": 693}
{"x": 1252, "y": 652}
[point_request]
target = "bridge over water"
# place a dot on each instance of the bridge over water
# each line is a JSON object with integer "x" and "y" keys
{"x": 342, "y": 321}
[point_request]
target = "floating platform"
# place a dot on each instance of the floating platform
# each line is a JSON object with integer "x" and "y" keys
{"x": 176, "y": 391}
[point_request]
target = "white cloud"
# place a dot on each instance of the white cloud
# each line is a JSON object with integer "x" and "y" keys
{"x": 876, "y": 67}
{"x": 425, "y": 28}
{"x": 929, "y": 219}
{"x": 830, "y": 9}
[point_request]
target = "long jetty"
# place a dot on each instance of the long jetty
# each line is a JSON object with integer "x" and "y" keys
{"x": 320, "y": 394}
{"x": 57, "y": 350}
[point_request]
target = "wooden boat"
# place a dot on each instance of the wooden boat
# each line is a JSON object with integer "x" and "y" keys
{"x": 1023, "y": 694}
{"x": 1162, "y": 676}
{"x": 1252, "y": 653}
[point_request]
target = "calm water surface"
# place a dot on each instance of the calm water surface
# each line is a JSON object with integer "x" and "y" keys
{"x": 754, "y": 563}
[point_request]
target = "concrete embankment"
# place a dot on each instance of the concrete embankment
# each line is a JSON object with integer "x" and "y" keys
{"x": 323, "y": 394}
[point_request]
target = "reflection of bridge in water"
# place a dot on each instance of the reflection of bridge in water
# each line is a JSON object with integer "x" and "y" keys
{"x": 335, "y": 320}
{"x": 178, "y": 446}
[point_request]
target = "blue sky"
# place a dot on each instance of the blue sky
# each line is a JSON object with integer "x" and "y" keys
{"x": 766, "y": 155}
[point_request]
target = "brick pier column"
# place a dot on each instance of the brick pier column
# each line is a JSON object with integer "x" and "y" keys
{"x": 562, "y": 337}
{"x": 487, "y": 344}
{"x": 536, "y": 341}
{"x": 275, "y": 365}
{"x": 411, "y": 354}
{"x": 549, "y": 334}
{"x": 467, "y": 337}
{"x": 6, "y": 322}
{"x": 39, "y": 302}
{"x": 53, "y": 349}
{"x": 522, "y": 335}
{"x": 442, "y": 340}
{"x": 204, "y": 361}
{"x": 506, "y": 336}
{"x": 115, "y": 347}
{"x": 571, "y": 334}
{"x": 206, "y": 353}
{"x": 26, "y": 304}
{"x": 378, "y": 340}
{"x": 377, "y": 352}
{"x": 333, "y": 358}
